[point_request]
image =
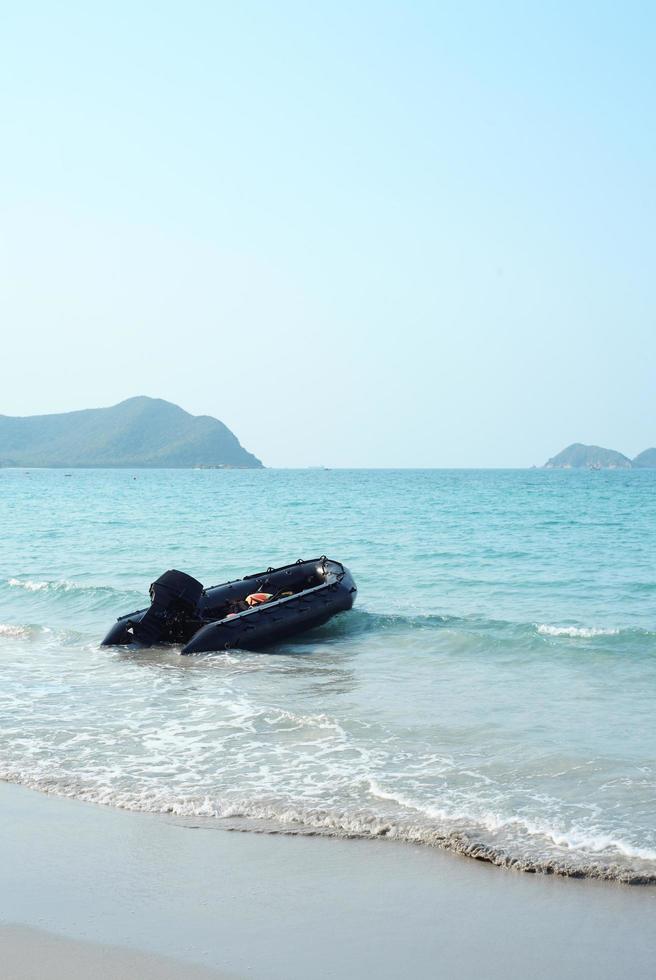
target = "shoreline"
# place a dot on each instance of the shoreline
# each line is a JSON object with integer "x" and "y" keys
{"x": 290, "y": 906}
{"x": 454, "y": 842}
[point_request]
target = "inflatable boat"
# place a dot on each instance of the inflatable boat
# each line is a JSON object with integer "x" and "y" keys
{"x": 248, "y": 613}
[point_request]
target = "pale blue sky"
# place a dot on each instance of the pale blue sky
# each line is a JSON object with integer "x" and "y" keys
{"x": 362, "y": 234}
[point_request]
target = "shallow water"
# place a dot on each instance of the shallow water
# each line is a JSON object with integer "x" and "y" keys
{"x": 492, "y": 691}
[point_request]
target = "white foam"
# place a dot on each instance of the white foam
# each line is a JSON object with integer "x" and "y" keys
{"x": 28, "y": 585}
{"x": 582, "y": 632}
{"x": 276, "y": 715}
{"x": 588, "y": 842}
{"x": 575, "y": 839}
{"x": 299, "y": 819}
{"x": 57, "y": 585}
{"x": 13, "y": 631}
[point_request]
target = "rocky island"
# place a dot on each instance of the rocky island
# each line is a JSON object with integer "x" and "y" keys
{"x": 645, "y": 460}
{"x": 138, "y": 432}
{"x": 580, "y": 456}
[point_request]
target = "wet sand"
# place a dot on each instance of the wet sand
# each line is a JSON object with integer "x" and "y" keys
{"x": 30, "y": 954}
{"x": 252, "y": 905}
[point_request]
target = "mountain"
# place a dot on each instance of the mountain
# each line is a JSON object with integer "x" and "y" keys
{"x": 646, "y": 459}
{"x": 138, "y": 432}
{"x": 578, "y": 456}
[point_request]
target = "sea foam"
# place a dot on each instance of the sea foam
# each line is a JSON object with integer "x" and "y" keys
{"x": 582, "y": 632}
{"x": 16, "y": 632}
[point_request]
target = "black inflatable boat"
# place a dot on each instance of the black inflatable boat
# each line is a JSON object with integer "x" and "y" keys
{"x": 249, "y": 613}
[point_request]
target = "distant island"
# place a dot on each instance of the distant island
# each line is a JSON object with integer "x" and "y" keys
{"x": 141, "y": 431}
{"x": 578, "y": 456}
{"x": 645, "y": 460}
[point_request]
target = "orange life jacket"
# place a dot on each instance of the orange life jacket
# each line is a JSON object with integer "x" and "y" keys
{"x": 257, "y": 598}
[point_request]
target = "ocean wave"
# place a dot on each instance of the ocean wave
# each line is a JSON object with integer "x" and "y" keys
{"x": 361, "y": 621}
{"x": 15, "y": 632}
{"x": 575, "y": 839}
{"x": 81, "y": 596}
{"x": 48, "y": 637}
{"x": 364, "y": 621}
{"x": 451, "y": 833}
{"x": 583, "y": 632}
{"x": 28, "y": 585}
{"x": 59, "y": 585}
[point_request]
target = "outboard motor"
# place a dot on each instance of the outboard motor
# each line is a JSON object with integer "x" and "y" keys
{"x": 174, "y": 600}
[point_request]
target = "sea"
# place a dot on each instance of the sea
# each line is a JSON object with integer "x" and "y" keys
{"x": 492, "y": 692}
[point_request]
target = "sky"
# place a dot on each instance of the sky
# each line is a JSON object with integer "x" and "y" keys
{"x": 361, "y": 234}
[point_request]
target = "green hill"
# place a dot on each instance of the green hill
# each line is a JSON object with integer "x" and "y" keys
{"x": 138, "y": 432}
{"x": 578, "y": 456}
{"x": 646, "y": 459}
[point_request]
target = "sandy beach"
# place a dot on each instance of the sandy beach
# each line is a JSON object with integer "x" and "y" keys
{"x": 29, "y": 954}
{"x": 123, "y": 894}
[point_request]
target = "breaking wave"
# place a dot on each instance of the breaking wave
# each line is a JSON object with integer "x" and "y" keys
{"x": 583, "y": 632}
{"x": 362, "y": 621}
{"x": 15, "y": 632}
{"x": 445, "y": 828}
{"x": 63, "y": 585}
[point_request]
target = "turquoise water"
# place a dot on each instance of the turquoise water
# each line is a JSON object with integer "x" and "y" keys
{"x": 492, "y": 691}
